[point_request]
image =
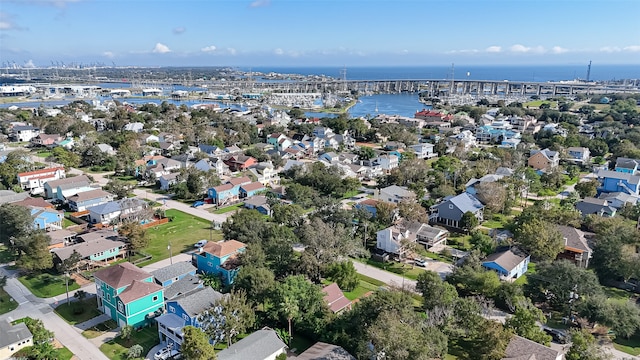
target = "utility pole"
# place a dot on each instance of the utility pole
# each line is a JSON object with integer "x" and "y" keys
{"x": 170, "y": 253}
{"x": 66, "y": 283}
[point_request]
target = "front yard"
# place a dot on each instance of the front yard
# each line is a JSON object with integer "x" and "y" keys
{"x": 6, "y": 302}
{"x": 182, "y": 232}
{"x": 402, "y": 269}
{"x": 46, "y": 285}
{"x": 95, "y": 331}
{"x": 76, "y": 312}
{"x": 117, "y": 348}
{"x": 226, "y": 209}
{"x": 630, "y": 346}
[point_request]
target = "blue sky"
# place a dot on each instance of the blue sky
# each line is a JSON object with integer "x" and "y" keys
{"x": 319, "y": 32}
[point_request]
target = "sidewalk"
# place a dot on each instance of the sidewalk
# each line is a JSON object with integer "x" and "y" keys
{"x": 92, "y": 322}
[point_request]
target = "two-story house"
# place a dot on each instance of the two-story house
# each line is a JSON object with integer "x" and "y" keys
{"x": 266, "y": 173}
{"x": 386, "y": 162}
{"x": 543, "y": 159}
{"x": 251, "y": 189}
{"x": 576, "y": 246}
{"x": 46, "y": 219}
{"x": 240, "y": 162}
{"x": 619, "y": 181}
{"x": 184, "y": 311}
{"x": 46, "y": 140}
{"x": 423, "y": 150}
{"x": 627, "y": 165}
{"x": 86, "y": 199}
{"x": 450, "y": 211}
{"x": 14, "y": 337}
{"x": 219, "y": 258}
{"x": 57, "y": 189}
{"x": 128, "y": 294}
{"x": 118, "y": 211}
{"x": 23, "y": 133}
{"x": 33, "y": 181}
{"x": 279, "y": 141}
{"x": 395, "y": 194}
{"x": 578, "y": 155}
{"x": 229, "y": 192}
{"x": 172, "y": 273}
{"x": 212, "y": 164}
{"x": 102, "y": 247}
{"x": 394, "y": 240}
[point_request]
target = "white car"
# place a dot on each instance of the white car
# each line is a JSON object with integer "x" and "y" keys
{"x": 200, "y": 244}
{"x": 165, "y": 353}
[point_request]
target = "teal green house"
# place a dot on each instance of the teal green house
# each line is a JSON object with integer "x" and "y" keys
{"x": 128, "y": 294}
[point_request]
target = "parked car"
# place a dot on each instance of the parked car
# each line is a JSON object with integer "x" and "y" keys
{"x": 200, "y": 244}
{"x": 558, "y": 336}
{"x": 165, "y": 353}
{"x": 420, "y": 262}
{"x": 197, "y": 203}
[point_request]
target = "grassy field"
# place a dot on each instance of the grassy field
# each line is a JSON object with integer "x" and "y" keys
{"x": 537, "y": 103}
{"x": 362, "y": 288}
{"x": 184, "y": 231}
{"x": 94, "y": 332}
{"x": 88, "y": 308}
{"x": 6, "y": 302}
{"x": 47, "y": 285}
{"x": 401, "y": 269}
{"x": 66, "y": 223}
{"x": 227, "y": 208}
{"x": 117, "y": 348}
{"x": 629, "y": 346}
{"x": 497, "y": 221}
{"x": 617, "y": 295}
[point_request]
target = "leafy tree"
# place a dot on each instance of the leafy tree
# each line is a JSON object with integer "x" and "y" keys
{"x": 469, "y": 221}
{"x": 626, "y": 319}
{"x": 401, "y": 336}
{"x": 195, "y": 345}
{"x": 118, "y": 187}
{"x": 65, "y": 157}
{"x": 412, "y": 211}
{"x": 524, "y": 322}
{"x": 126, "y": 332}
{"x": 289, "y": 215}
{"x": 435, "y": 292}
{"x": 584, "y": 347}
{"x": 345, "y": 274}
{"x": 385, "y": 213}
{"x": 485, "y": 243}
{"x": 554, "y": 282}
{"x": 540, "y": 239}
{"x": 493, "y": 195}
{"x": 587, "y": 188}
{"x": 16, "y": 222}
{"x": 36, "y": 256}
{"x": 135, "y": 351}
{"x": 247, "y": 226}
{"x": 229, "y": 317}
{"x": 136, "y": 234}
{"x": 328, "y": 242}
{"x": 256, "y": 281}
{"x": 472, "y": 279}
{"x": 70, "y": 263}
{"x": 211, "y": 280}
{"x": 301, "y": 195}
{"x": 489, "y": 341}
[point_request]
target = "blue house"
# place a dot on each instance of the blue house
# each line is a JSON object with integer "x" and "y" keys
{"x": 184, "y": 311}
{"x": 618, "y": 181}
{"x": 219, "y": 258}
{"x": 251, "y": 189}
{"x": 510, "y": 264}
{"x": 224, "y": 193}
{"x": 46, "y": 219}
{"x": 450, "y": 211}
{"x": 174, "y": 272}
{"x": 82, "y": 201}
{"x": 626, "y": 165}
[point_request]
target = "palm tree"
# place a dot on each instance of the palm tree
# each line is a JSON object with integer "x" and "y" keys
{"x": 290, "y": 309}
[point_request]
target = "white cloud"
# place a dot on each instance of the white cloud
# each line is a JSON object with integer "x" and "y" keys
{"x": 260, "y": 3}
{"x": 278, "y": 51}
{"x": 519, "y": 48}
{"x": 210, "y": 48}
{"x": 493, "y": 49}
{"x": 29, "y": 64}
{"x": 610, "y": 49}
{"x": 464, "y": 51}
{"x": 161, "y": 49}
{"x": 109, "y": 54}
{"x": 231, "y": 51}
{"x": 632, "y": 48}
{"x": 558, "y": 50}
{"x": 179, "y": 30}
{"x": 7, "y": 23}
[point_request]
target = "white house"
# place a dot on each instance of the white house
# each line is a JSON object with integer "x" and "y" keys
{"x": 34, "y": 181}
{"x": 386, "y": 162}
{"x": 396, "y": 194}
{"x": 24, "y": 133}
{"x": 423, "y": 150}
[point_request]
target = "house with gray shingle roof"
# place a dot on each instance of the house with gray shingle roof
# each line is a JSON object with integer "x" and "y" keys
{"x": 184, "y": 286}
{"x": 510, "y": 264}
{"x": 576, "y": 246}
{"x": 14, "y": 338}
{"x": 325, "y": 351}
{"x": 261, "y": 345}
{"x": 127, "y": 208}
{"x": 521, "y": 348}
{"x": 174, "y": 272}
{"x": 600, "y": 207}
{"x": 450, "y": 211}
{"x": 184, "y": 311}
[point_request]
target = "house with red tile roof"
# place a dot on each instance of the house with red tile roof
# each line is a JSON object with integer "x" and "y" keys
{"x": 219, "y": 258}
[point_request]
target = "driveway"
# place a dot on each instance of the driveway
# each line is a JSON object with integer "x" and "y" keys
{"x": 172, "y": 204}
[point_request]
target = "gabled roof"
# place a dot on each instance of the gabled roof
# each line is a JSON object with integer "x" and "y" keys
{"x": 257, "y": 346}
{"x": 89, "y": 195}
{"x": 138, "y": 289}
{"x": 400, "y": 191}
{"x": 197, "y": 302}
{"x": 574, "y": 238}
{"x": 35, "y": 202}
{"x": 239, "y": 180}
{"x": 82, "y": 179}
{"x": 12, "y": 334}
{"x": 120, "y": 275}
{"x": 627, "y": 163}
{"x": 335, "y": 298}
{"x": 86, "y": 249}
{"x": 173, "y": 271}
{"x": 631, "y": 179}
{"x": 184, "y": 286}
{"x": 507, "y": 260}
{"x": 548, "y": 154}
{"x": 464, "y": 202}
{"x": 223, "y": 248}
{"x": 252, "y": 186}
{"x": 41, "y": 171}
{"x": 324, "y": 351}
{"x": 521, "y": 348}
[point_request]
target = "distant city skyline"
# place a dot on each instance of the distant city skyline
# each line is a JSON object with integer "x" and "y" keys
{"x": 318, "y": 32}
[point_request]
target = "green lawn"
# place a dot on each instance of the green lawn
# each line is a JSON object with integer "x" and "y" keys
{"x": 5, "y": 255}
{"x": 362, "y": 288}
{"x": 227, "y": 208}
{"x": 66, "y": 223}
{"x": 617, "y": 295}
{"x": 459, "y": 241}
{"x": 64, "y": 354}
{"x": 402, "y": 269}
{"x": 95, "y": 331}
{"x": 522, "y": 280}
{"x": 117, "y": 348}
{"x": 44, "y": 153}
{"x": 629, "y": 346}
{"x": 537, "y": 103}
{"x": 46, "y": 285}
{"x": 6, "y": 302}
{"x": 75, "y": 312}
{"x": 497, "y": 221}
{"x": 184, "y": 231}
